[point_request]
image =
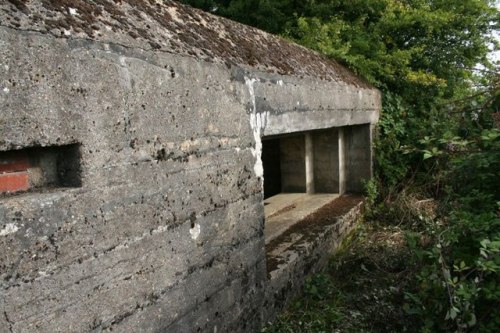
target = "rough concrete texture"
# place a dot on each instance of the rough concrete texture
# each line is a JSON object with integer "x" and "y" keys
{"x": 359, "y": 156}
{"x": 164, "y": 230}
{"x": 285, "y": 210}
{"x": 326, "y": 161}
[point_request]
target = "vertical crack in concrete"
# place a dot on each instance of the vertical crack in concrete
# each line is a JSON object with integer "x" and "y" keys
{"x": 8, "y": 321}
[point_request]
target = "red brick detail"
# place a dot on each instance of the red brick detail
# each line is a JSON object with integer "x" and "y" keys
{"x": 14, "y": 182}
{"x": 14, "y": 161}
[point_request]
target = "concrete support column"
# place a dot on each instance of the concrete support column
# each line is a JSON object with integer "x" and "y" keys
{"x": 342, "y": 160}
{"x": 309, "y": 152}
{"x": 359, "y": 151}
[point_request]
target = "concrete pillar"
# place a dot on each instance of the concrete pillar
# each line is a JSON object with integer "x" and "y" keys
{"x": 359, "y": 151}
{"x": 326, "y": 162}
{"x": 342, "y": 163}
{"x": 309, "y": 163}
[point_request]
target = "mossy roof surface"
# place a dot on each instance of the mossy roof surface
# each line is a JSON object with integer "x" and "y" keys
{"x": 172, "y": 27}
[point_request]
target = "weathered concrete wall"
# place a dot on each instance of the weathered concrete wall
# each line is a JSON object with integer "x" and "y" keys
{"x": 295, "y": 105}
{"x": 163, "y": 231}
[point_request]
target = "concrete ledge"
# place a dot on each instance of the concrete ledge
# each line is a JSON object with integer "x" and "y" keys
{"x": 284, "y": 210}
{"x": 304, "y": 249}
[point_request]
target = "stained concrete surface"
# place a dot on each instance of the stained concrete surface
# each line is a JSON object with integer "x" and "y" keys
{"x": 286, "y": 209}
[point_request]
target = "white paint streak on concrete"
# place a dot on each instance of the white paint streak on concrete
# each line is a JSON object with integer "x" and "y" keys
{"x": 258, "y": 122}
{"x": 9, "y": 228}
{"x": 46, "y": 203}
{"x": 360, "y": 95}
{"x": 195, "y": 231}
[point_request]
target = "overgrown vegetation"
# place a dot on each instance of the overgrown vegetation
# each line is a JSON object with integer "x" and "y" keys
{"x": 362, "y": 290}
{"x": 437, "y": 159}
{"x": 459, "y": 268}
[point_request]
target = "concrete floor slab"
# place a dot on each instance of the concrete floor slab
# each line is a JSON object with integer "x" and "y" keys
{"x": 285, "y": 209}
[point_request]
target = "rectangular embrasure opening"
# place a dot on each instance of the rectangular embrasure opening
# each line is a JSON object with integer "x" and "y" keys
{"x": 301, "y": 174}
{"x": 305, "y": 171}
{"x": 284, "y": 165}
{"x": 37, "y": 168}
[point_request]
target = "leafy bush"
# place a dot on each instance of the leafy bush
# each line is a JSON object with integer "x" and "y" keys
{"x": 459, "y": 279}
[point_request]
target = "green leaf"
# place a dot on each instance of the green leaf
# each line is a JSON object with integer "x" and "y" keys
{"x": 452, "y": 313}
{"x": 446, "y": 274}
{"x": 472, "y": 320}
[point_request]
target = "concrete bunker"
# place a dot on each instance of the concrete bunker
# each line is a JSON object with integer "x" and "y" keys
{"x": 166, "y": 114}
